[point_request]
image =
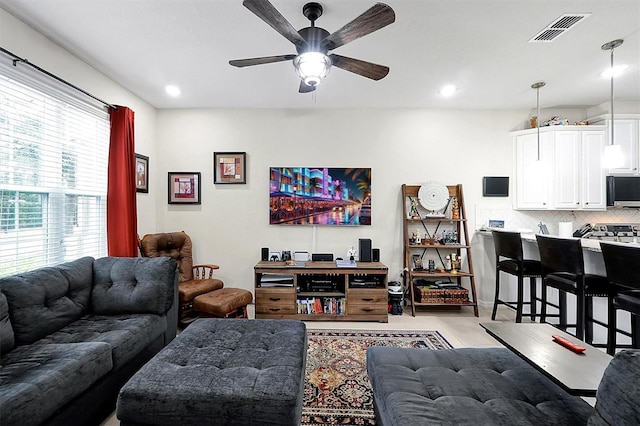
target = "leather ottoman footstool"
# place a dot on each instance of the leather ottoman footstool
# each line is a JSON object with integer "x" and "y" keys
{"x": 218, "y": 372}
{"x": 225, "y": 303}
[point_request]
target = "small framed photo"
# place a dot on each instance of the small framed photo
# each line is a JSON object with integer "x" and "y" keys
{"x": 184, "y": 187}
{"x": 142, "y": 173}
{"x": 229, "y": 167}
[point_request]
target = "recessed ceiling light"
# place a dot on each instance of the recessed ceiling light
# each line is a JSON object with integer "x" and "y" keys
{"x": 615, "y": 71}
{"x": 172, "y": 90}
{"x": 448, "y": 90}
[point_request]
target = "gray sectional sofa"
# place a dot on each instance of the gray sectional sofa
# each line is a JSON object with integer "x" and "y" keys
{"x": 492, "y": 386}
{"x": 71, "y": 335}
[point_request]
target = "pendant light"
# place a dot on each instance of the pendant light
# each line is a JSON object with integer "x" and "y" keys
{"x": 537, "y": 86}
{"x": 612, "y": 155}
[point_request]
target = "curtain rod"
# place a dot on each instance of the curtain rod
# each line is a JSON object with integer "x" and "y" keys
{"x": 17, "y": 59}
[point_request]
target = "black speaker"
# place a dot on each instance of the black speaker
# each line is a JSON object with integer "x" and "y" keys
{"x": 364, "y": 249}
{"x": 375, "y": 255}
{"x": 265, "y": 254}
{"x": 321, "y": 257}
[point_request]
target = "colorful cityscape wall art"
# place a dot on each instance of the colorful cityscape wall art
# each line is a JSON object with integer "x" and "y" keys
{"x": 320, "y": 196}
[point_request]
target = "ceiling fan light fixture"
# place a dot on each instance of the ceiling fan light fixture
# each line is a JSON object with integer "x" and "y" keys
{"x": 312, "y": 67}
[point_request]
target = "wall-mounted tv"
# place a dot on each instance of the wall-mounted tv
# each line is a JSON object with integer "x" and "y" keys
{"x": 319, "y": 196}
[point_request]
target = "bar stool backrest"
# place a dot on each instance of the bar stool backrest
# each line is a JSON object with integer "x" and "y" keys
{"x": 622, "y": 263}
{"x": 560, "y": 255}
{"x": 508, "y": 244}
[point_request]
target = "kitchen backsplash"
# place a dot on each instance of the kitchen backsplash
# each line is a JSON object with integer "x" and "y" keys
{"x": 519, "y": 220}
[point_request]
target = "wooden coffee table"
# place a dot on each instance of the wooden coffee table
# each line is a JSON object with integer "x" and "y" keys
{"x": 578, "y": 374}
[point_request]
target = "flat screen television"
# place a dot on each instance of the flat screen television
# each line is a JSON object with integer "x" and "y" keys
{"x": 319, "y": 196}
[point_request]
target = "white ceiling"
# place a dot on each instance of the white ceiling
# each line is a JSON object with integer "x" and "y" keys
{"x": 479, "y": 45}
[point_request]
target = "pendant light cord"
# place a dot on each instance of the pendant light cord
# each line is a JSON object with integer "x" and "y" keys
{"x": 611, "y": 99}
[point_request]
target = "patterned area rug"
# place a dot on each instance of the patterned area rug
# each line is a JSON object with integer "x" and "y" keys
{"x": 337, "y": 389}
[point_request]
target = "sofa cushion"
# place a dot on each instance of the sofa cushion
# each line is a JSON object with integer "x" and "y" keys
{"x": 472, "y": 386}
{"x": 46, "y": 299}
{"x": 618, "y": 392}
{"x": 36, "y": 380}
{"x": 132, "y": 285}
{"x": 7, "y": 341}
{"x": 127, "y": 335}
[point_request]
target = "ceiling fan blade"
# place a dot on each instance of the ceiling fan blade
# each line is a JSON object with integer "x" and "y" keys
{"x": 305, "y": 88}
{"x": 378, "y": 16}
{"x": 259, "y": 61}
{"x": 363, "y": 68}
{"x": 269, "y": 14}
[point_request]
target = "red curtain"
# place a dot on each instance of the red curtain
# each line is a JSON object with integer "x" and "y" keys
{"x": 122, "y": 218}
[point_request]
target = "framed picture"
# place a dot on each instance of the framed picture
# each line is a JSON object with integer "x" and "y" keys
{"x": 142, "y": 173}
{"x": 184, "y": 187}
{"x": 229, "y": 167}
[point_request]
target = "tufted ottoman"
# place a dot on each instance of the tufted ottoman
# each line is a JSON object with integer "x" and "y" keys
{"x": 220, "y": 372}
{"x": 467, "y": 386}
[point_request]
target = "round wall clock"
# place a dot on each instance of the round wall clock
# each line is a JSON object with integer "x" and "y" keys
{"x": 433, "y": 196}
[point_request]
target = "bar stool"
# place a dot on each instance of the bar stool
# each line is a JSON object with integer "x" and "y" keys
{"x": 563, "y": 269}
{"x": 509, "y": 245}
{"x": 622, "y": 263}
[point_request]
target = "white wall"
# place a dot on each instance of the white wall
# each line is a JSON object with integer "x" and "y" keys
{"x": 401, "y": 146}
{"x": 25, "y": 42}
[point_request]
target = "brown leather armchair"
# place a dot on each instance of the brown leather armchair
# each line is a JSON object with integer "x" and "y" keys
{"x": 194, "y": 279}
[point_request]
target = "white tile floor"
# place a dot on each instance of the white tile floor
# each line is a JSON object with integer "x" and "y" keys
{"x": 459, "y": 326}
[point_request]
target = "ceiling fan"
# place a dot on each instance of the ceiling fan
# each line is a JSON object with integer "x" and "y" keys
{"x": 312, "y": 62}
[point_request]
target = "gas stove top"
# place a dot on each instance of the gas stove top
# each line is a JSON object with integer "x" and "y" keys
{"x": 625, "y": 232}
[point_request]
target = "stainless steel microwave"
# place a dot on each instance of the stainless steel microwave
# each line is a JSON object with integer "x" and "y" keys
{"x": 623, "y": 191}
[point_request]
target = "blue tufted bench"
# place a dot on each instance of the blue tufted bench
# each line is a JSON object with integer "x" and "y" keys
{"x": 492, "y": 386}
{"x": 222, "y": 372}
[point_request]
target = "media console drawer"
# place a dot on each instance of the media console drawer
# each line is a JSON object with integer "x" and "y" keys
{"x": 281, "y": 301}
{"x": 368, "y": 296}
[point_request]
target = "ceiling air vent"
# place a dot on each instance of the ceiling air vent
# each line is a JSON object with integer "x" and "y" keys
{"x": 559, "y": 27}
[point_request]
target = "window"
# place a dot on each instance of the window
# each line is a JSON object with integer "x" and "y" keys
{"x": 53, "y": 173}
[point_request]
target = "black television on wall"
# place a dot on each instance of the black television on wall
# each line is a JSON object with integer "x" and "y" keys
{"x": 319, "y": 196}
{"x": 495, "y": 186}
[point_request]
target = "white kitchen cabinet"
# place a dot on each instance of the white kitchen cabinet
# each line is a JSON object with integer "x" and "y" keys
{"x": 570, "y": 177}
{"x": 531, "y": 172}
{"x": 593, "y": 187}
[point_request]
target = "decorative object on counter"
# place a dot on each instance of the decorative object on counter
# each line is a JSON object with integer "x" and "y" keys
{"x": 543, "y": 228}
{"x": 533, "y": 122}
{"x": 496, "y": 223}
{"x": 565, "y": 229}
{"x": 537, "y": 86}
{"x": 448, "y": 265}
{"x": 418, "y": 237}
{"x": 612, "y": 155}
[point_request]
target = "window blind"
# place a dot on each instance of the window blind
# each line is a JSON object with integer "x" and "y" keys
{"x": 53, "y": 173}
